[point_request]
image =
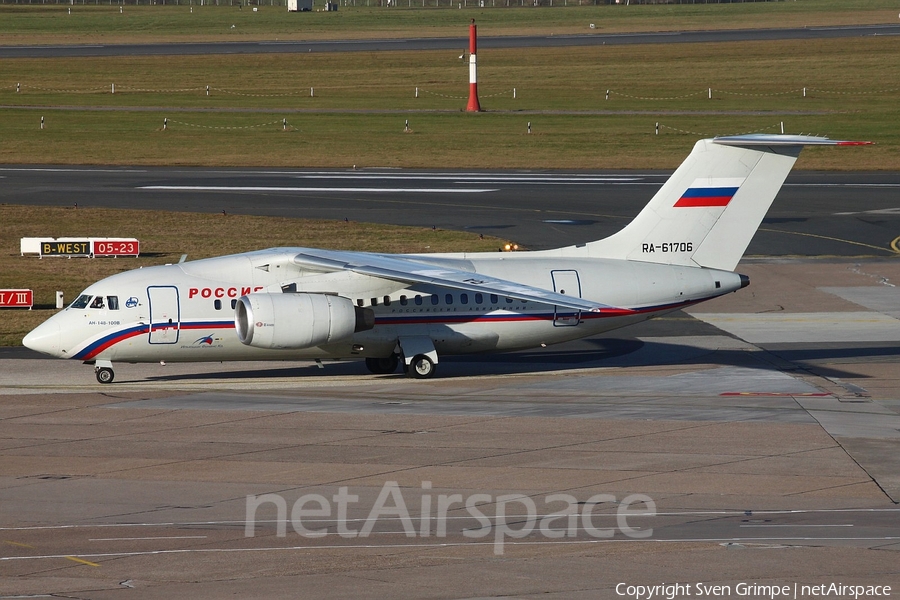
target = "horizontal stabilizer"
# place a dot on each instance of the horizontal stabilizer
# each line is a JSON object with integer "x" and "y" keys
{"x": 763, "y": 139}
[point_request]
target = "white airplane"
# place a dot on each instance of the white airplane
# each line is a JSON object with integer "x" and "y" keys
{"x": 303, "y": 303}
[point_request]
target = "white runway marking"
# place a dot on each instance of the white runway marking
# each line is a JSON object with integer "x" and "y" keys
{"x": 821, "y": 327}
{"x": 57, "y": 47}
{"x": 844, "y": 185}
{"x": 480, "y": 178}
{"x": 70, "y": 170}
{"x": 364, "y": 190}
{"x": 101, "y": 555}
{"x": 160, "y": 537}
{"x": 880, "y": 211}
{"x": 788, "y": 525}
{"x": 686, "y": 513}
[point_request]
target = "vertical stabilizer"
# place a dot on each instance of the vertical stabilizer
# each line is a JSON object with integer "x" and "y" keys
{"x": 708, "y": 211}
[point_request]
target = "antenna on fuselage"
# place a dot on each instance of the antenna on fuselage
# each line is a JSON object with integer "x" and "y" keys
{"x": 182, "y": 259}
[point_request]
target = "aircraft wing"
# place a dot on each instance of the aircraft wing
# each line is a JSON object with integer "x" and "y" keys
{"x": 408, "y": 270}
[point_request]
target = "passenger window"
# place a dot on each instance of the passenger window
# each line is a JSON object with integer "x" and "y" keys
{"x": 494, "y": 299}
{"x": 418, "y": 300}
{"x": 463, "y": 298}
{"x": 434, "y": 299}
{"x": 360, "y": 302}
{"x": 112, "y": 302}
{"x": 374, "y": 301}
{"x": 403, "y": 301}
{"x": 448, "y": 298}
{"x": 233, "y": 304}
{"x": 479, "y": 299}
{"x": 509, "y": 300}
{"x": 387, "y": 300}
{"x": 98, "y": 302}
{"x": 218, "y": 304}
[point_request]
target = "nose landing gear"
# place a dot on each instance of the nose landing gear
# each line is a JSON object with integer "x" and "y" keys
{"x": 104, "y": 371}
{"x": 104, "y": 374}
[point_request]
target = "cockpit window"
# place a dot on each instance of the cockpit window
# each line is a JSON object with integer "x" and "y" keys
{"x": 81, "y": 302}
{"x": 98, "y": 302}
{"x": 112, "y": 302}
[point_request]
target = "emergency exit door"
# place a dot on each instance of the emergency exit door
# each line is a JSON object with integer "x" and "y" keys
{"x": 566, "y": 282}
{"x": 165, "y": 315}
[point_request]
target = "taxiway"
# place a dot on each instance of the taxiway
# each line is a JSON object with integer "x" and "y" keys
{"x": 763, "y": 429}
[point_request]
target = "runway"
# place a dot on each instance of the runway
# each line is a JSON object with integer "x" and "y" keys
{"x": 269, "y": 47}
{"x": 835, "y": 214}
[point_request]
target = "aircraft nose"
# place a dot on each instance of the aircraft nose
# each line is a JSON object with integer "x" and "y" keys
{"x": 44, "y": 338}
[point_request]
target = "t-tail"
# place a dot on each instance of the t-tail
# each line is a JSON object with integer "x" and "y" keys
{"x": 708, "y": 211}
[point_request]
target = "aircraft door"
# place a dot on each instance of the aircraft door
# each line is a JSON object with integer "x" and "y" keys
{"x": 165, "y": 315}
{"x": 566, "y": 282}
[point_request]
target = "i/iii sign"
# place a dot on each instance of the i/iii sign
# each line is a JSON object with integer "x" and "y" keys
{"x": 16, "y": 298}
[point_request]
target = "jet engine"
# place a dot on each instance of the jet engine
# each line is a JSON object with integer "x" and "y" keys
{"x": 298, "y": 320}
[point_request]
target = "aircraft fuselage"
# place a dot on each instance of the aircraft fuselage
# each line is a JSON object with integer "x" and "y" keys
{"x": 185, "y": 312}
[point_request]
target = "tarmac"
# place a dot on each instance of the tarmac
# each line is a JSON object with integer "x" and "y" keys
{"x": 753, "y": 441}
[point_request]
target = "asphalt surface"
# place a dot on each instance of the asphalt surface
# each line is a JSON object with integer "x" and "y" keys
{"x": 269, "y": 47}
{"x": 816, "y": 213}
{"x": 765, "y": 421}
{"x": 762, "y": 428}
{"x": 732, "y": 461}
{"x": 755, "y": 439}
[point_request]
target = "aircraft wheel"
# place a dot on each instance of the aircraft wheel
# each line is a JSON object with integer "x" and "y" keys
{"x": 105, "y": 375}
{"x": 382, "y": 366}
{"x": 422, "y": 367}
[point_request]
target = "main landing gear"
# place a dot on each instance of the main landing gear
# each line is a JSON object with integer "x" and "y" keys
{"x": 417, "y": 353}
{"x": 421, "y": 367}
{"x": 383, "y": 366}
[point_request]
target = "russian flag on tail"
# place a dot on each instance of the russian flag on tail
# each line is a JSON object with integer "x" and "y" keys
{"x": 709, "y": 193}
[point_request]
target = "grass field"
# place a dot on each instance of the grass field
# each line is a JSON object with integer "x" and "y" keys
{"x": 166, "y": 236}
{"x": 54, "y": 24}
{"x": 362, "y": 101}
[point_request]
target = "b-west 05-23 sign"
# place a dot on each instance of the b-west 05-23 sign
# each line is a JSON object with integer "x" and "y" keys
{"x": 89, "y": 247}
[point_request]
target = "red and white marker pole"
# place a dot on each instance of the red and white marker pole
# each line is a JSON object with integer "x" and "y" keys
{"x": 473, "y": 105}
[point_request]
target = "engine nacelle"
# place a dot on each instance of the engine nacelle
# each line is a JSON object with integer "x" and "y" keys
{"x": 297, "y": 320}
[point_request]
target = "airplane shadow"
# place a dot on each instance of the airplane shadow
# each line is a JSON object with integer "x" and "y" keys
{"x": 596, "y": 353}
